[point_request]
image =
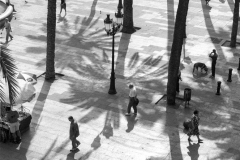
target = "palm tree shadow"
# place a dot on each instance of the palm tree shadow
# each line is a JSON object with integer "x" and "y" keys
{"x": 38, "y": 107}
{"x": 174, "y": 136}
{"x": 193, "y": 150}
{"x": 36, "y": 113}
{"x": 131, "y": 123}
{"x": 122, "y": 52}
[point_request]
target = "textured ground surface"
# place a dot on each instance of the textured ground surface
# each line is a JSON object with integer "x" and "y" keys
{"x": 83, "y": 54}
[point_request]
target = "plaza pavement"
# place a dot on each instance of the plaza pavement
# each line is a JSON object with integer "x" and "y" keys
{"x": 83, "y": 55}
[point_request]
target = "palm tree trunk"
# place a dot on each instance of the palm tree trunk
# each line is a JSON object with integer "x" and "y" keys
{"x": 51, "y": 29}
{"x": 174, "y": 61}
{"x": 128, "y": 17}
{"x": 235, "y": 24}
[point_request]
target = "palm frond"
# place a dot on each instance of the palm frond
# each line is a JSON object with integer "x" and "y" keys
{"x": 9, "y": 69}
{"x": 2, "y": 94}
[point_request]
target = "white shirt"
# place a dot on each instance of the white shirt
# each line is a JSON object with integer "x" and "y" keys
{"x": 133, "y": 92}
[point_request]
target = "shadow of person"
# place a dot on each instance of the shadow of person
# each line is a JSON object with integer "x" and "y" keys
{"x": 71, "y": 155}
{"x": 193, "y": 150}
{"x": 131, "y": 123}
{"x": 187, "y": 60}
{"x": 208, "y": 8}
{"x": 107, "y": 131}
{"x": 96, "y": 142}
{"x": 60, "y": 18}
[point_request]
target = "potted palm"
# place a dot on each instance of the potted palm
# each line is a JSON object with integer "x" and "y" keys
{"x": 8, "y": 71}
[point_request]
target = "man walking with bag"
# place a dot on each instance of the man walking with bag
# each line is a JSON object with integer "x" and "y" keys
{"x": 73, "y": 133}
{"x": 133, "y": 100}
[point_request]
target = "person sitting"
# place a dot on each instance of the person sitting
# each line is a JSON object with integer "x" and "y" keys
{"x": 12, "y": 119}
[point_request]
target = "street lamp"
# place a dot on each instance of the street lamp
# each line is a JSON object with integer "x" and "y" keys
{"x": 111, "y": 28}
{"x": 120, "y": 6}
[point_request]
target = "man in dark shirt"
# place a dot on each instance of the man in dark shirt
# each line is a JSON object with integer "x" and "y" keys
{"x": 214, "y": 57}
{"x": 73, "y": 133}
{"x": 12, "y": 119}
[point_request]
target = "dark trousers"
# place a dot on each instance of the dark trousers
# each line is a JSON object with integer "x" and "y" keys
{"x": 132, "y": 103}
{"x": 213, "y": 69}
{"x": 75, "y": 142}
{"x": 177, "y": 85}
{"x": 8, "y": 35}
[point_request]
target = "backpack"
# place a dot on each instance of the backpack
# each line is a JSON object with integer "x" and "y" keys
{"x": 187, "y": 124}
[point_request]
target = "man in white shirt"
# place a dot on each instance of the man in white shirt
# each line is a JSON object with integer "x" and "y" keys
{"x": 132, "y": 100}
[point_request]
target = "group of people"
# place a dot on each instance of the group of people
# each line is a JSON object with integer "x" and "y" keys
{"x": 195, "y": 118}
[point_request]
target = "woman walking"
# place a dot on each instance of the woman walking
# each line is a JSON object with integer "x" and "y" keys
{"x": 195, "y": 131}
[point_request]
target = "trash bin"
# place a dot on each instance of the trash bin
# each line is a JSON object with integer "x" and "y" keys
{"x": 187, "y": 94}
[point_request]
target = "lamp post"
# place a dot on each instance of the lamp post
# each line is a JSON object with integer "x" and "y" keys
{"x": 120, "y": 6}
{"x": 111, "y": 28}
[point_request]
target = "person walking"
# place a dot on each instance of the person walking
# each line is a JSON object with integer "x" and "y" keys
{"x": 132, "y": 100}
{"x": 8, "y": 28}
{"x": 214, "y": 57}
{"x": 194, "y": 131}
{"x": 178, "y": 78}
{"x": 63, "y": 6}
{"x": 73, "y": 133}
{"x": 12, "y": 119}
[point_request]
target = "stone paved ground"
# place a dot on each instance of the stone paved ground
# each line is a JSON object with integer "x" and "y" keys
{"x": 83, "y": 54}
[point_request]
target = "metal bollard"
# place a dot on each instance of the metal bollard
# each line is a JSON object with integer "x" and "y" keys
{"x": 239, "y": 64}
{"x": 218, "y": 87}
{"x": 230, "y": 75}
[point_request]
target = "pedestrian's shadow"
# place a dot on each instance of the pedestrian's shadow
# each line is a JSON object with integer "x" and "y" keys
{"x": 187, "y": 60}
{"x": 71, "y": 155}
{"x": 193, "y": 150}
{"x": 60, "y": 18}
{"x": 107, "y": 131}
{"x": 208, "y": 8}
{"x": 131, "y": 123}
{"x": 96, "y": 142}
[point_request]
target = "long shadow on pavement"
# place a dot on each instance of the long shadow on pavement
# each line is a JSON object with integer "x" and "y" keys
{"x": 38, "y": 108}
{"x": 193, "y": 150}
{"x": 131, "y": 123}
